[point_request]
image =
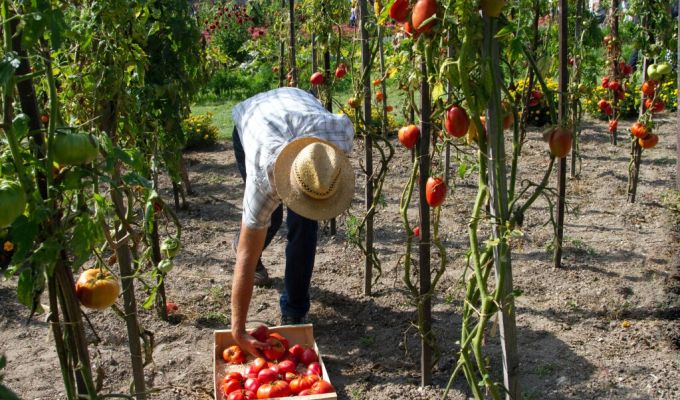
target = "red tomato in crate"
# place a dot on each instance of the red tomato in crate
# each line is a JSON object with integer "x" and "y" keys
{"x": 314, "y": 368}
{"x": 273, "y": 389}
{"x": 308, "y": 356}
{"x": 321, "y": 387}
{"x": 252, "y": 384}
{"x": 242, "y": 394}
{"x": 276, "y": 349}
{"x": 234, "y": 355}
{"x": 267, "y": 375}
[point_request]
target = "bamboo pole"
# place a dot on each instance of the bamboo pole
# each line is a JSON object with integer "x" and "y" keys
{"x": 291, "y": 39}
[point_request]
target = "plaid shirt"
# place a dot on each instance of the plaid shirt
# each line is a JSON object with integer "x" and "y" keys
{"x": 265, "y": 124}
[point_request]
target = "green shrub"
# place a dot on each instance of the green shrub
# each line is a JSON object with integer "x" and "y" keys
{"x": 199, "y": 131}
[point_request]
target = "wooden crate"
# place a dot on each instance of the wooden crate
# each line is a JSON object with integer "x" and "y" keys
{"x": 296, "y": 334}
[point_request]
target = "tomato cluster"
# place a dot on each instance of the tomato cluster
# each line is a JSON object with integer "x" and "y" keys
{"x": 283, "y": 371}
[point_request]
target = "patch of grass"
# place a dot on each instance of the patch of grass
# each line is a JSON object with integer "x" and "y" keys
{"x": 216, "y": 293}
{"x": 671, "y": 199}
{"x": 545, "y": 370}
{"x": 213, "y": 319}
{"x": 356, "y": 394}
{"x": 221, "y": 111}
{"x": 367, "y": 341}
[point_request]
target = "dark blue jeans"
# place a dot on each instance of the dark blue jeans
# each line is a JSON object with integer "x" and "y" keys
{"x": 300, "y": 249}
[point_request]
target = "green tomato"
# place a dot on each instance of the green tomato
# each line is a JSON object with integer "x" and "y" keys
{"x": 12, "y": 202}
{"x": 170, "y": 246}
{"x": 165, "y": 266}
{"x": 664, "y": 68}
{"x": 74, "y": 148}
{"x": 653, "y": 72}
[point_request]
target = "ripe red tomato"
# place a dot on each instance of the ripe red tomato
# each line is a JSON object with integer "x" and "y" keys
{"x": 353, "y": 102}
{"x": 286, "y": 366}
{"x": 560, "y": 142}
{"x": 408, "y": 135}
{"x": 317, "y": 78}
{"x": 306, "y": 392}
{"x": 45, "y": 119}
{"x": 302, "y": 383}
{"x": 379, "y": 96}
{"x": 638, "y": 130}
{"x": 389, "y": 108}
{"x": 614, "y": 85}
{"x": 605, "y": 82}
{"x": 170, "y": 307}
{"x": 340, "y": 71}
{"x": 416, "y": 231}
{"x": 266, "y": 375}
{"x": 260, "y": 333}
{"x": 408, "y": 28}
{"x": 435, "y": 191}
{"x": 400, "y": 10}
{"x": 308, "y": 356}
{"x": 649, "y": 141}
{"x": 613, "y": 124}
{"x": 648, "y": 88}
{"x": 273, "y": 389}
{"x": 252, "y": 384}
{"x": 657, "y": 106}
{"x": 234, "y": 355}
{"x": 377, "y": 82}
{"x": 97, "y": 289}
{"x": 233, "y": 376}
{"x": 296, "y": 350}
{"x": 314, "y": 368}
{"x": 321, "y": 387}
{"x": 275, "y": 351}
{"x": 423, "y": 10}
{"x": 231, "y": 385}
{"x": 289, "y": 376}
{"x": 242, "y": 394}
{"x": 457, "y": 121}
{"x": 281, "y": 339}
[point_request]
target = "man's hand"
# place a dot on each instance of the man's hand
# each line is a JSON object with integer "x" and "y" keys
{"x": 249, "y": 343}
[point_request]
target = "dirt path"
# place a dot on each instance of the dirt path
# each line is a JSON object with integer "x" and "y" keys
{"x": 606, "y": 326}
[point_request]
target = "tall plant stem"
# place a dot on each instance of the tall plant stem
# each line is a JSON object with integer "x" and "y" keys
{"x": 498, "y": 195}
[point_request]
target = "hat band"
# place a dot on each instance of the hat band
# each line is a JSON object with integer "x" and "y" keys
{"x": 314, "y": 193}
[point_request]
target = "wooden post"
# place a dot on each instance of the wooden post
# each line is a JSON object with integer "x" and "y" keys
{"x": 677, "y": 134}
{"x": 580, "y": 5}
{"x": 291, "y": 39}
{"x": 449, "y": 89}
{"x": 614, "y": 54}
{"x": 562, "y": 119}
{"x": 498, "y": 205}
{"x": 383, "y": 85}
{"x": 329, "y": 107}
{"x": 282, "y": 54}
{"x": 368, "y": 143}
{"x": 635, "y": 148}
{"x": 424, "y": 246}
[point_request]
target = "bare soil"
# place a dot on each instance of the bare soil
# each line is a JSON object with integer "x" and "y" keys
{"x": 603, "y": 327}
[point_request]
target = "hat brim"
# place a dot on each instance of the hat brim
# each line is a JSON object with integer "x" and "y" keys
{"x": 296, "y": 199}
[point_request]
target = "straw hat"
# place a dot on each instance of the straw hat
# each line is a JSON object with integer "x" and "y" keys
{"x": 314, "y": 178}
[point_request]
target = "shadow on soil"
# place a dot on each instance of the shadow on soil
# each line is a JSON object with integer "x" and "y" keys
{"x": 378, "y": 345}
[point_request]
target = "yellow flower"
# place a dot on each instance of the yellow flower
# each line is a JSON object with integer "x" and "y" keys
{"x": 8, "y": 246}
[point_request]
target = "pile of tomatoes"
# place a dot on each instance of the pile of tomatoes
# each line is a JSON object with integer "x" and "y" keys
{"x": 283, "y": 371}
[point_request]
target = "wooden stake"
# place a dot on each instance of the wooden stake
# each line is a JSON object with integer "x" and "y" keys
{"x": 424, "y": 246}
{"x": 562, "y": 119}
{"x": 368, "y": 143}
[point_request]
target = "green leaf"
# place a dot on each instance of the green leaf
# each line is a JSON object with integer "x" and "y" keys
{"x": 133, "y": 178}
{"x": 87, "y": 234}
{"x": 506, "y": 32}
{"x": 23, "y": 234}
{"x": 57, "y": 27}
{"x": 462, "y": 169}
{"x": 151, "y": 299}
